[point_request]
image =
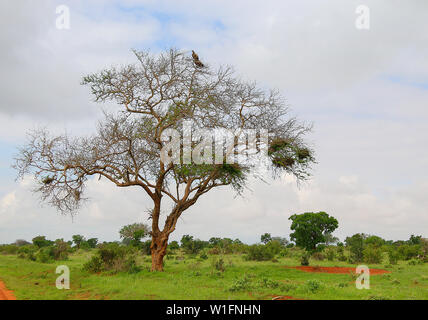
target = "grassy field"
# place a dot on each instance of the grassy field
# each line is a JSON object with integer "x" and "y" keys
{"x": 195, "y": 279}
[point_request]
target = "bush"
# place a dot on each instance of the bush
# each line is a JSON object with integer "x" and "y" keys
{"x": 408, "y": 252}
{"x": 259, "y": 252}
{"x": 241, "y": 284}
{"x": 330, "y": 253}
{"x": 318, "y": 256}
{"x": 372, "y": 254}
{"x": 28, "y": 252}
{"x": 218, "y": 264}
{"x": 45, "y": 255}
{"x": 304, "y": 259}
{"x": 393, "y": 256}
{"x": 9, "y": 249}
{"x": 112, "y": 257}
{"x": 313, "y": 285}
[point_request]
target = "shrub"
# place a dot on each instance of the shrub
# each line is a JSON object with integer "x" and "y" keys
{"x": 393, "y": 256}
{"x": 60, "y": 250}
{"x": 218, "y": 265}
{"x": 372, "y": 254}
{"x": 9, "y": 249}
{"x": 318, "y": 256}
{"x": 313, "y": 285}
{"x": 214, "y": 251}
{"x": 45, "y": 255}
{"x": 28, "y": 252}
{"x": 258, "y": 252}
{"x": 304, "y": 259}
{"x": 112, "y": 257}
{"x": 203, "y": 256}
{"x": 241, "y": 284}
{"x": 330, "y": 253}
{"x": 408, "y": 252}
{"x": 268, "y": 283}
{"x": 356, "y": 247}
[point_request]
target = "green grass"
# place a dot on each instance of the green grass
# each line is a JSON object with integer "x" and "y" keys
{"x": 195, "y": 279}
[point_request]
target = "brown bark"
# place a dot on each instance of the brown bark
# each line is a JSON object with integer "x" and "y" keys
{"x": 158, "y": 250}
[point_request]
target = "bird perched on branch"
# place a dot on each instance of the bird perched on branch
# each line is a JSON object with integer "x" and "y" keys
{"x": 198, "y": 62}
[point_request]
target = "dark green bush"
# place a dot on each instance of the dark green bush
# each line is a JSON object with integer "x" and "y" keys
{"x": 113, "y": 257}
{"x": 372, "y": 254}
{"x": 304, "y": 259}
{"x": 259, "y": 252}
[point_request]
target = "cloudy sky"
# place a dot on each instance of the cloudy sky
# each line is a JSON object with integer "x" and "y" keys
{"x": 366, "y": 92}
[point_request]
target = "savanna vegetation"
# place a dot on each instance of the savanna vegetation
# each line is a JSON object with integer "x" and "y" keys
{"x": 219, "y": 268}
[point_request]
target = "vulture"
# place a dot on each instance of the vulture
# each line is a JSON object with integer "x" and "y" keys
{"x": 198, "y": 62}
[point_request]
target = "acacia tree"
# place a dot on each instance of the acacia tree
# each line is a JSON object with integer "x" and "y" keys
{"x": 156, "y": 94}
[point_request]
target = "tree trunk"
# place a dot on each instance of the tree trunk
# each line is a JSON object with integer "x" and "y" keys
{"x": 158, "y": 250}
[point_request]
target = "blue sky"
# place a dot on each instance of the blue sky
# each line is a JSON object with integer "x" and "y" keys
{"x": 364, "y": 91}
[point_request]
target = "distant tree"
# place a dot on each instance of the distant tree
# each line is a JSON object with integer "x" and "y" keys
{"x": 266, "y": 238}
{"x": 134, "y": 233}
{"x": 185, "y": 240}
{"x": 173, "y": 245}
{"x": 21, "y": 242}
{"x": 356, "y": 246}
{"x": 92, "y": 242}
{"x": 310, "y": 229}
{"x": 192, "y": 246}
{"x": 214, "y": 242}
{"x": 415, "y": 240}
{"x": 374, "y": 241}
{"x": 282, "y": 241}
{"x": 41, "y": 241}
{"x": 237, "y": 241}
{"x": 77, "y": 240}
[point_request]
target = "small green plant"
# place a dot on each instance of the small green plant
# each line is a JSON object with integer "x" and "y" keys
{"x": 219, "y": 265}
{"x": 268, "y": 283}
{"x": 313, "y": 285}
{"x": 304, "y": 259}
{"x": 241, "y": 284}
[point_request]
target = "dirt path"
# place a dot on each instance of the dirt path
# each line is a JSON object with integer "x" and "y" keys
{"x": 5, "y": 294}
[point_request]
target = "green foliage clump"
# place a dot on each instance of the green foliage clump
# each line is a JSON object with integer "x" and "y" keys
{"x": 310, "y": 229}
{"x": 356, "y": 247}
{"x": 112, "y": 257}
{"x": 313, "y": 285}
{"x": 41, "y": 241}
{"x": 304, "y": 259}
{"x": 372, "y": 254}
{"x": 241, "y": 284}
{"x": 259, "y": 252}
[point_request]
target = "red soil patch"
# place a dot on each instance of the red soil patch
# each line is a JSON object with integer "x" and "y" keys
{"x": 5, "y": 294}
{"x": 338, "y": 270}
{"x": 285, "y": 298}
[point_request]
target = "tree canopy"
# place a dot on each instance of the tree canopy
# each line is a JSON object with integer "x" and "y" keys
{"x": 311, "y": 229}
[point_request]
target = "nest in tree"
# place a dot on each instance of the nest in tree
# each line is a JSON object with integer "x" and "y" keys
{"x": 48, "y": 180}
{"x": 282, "y": 162}
{"x": 278, "y": 144}
{"x": 303, "y": 154}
